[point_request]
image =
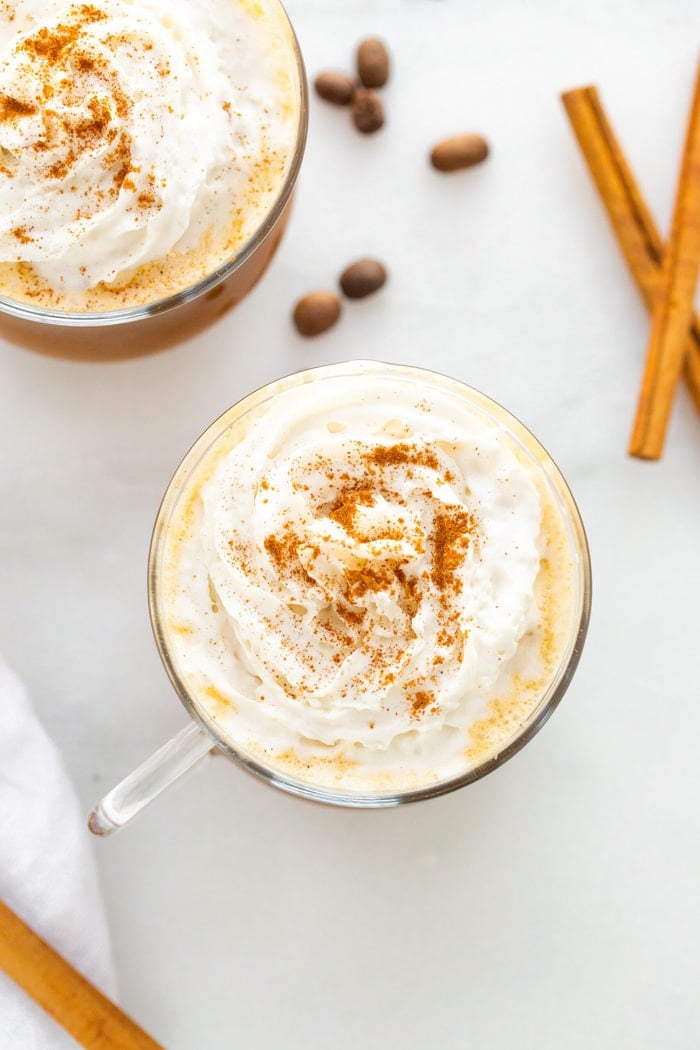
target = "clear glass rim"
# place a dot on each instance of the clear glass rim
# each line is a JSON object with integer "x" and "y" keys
{"x": 99, "y": 319}
{"x": 551, "y": 696}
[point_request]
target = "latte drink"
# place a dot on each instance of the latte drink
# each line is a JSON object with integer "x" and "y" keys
{"x": 144, "y": 145}
{"x": 368, "y": 579}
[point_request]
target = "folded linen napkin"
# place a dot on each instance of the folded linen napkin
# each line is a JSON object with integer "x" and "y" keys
{"x": 47, "y": 872}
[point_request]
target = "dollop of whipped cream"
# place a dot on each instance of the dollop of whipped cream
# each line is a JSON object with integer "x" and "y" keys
{"x": 130, "y": 128}
{"x": 361, "y": 574}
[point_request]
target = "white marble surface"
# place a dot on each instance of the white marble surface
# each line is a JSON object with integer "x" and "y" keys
{"x": 553, "y": 904}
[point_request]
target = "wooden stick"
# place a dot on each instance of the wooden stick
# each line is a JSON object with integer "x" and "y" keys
{"x": 631, "y": 220}
{"x": 673, "y": 311}
{"x": 92, "y": 1019}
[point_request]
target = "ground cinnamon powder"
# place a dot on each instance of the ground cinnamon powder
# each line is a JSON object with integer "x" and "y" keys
{"x": 450, "y": 540}
{"x": 13, "y": 107}
{"x": 60, "y": 55}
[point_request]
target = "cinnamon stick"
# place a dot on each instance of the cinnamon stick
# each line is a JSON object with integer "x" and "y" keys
{"x": 631, "y": 220}
{"x": 673, "y": 310}
{"x": 92, "y": 1019}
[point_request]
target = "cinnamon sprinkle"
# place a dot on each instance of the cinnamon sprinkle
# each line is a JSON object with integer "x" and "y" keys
{"x": 402, "y": 454}
{"x": 50, "y": 43}
{"x": 349, "y": 618}
{"x": 14, "y": 107}
{"x": 421, "y": 700}
{"x": 88, "y": 84}
{"x": 21, "y": 234}
{"x": 451, "y": 536}
{"x": 345, "y": 513}
{"x": 344, "y": 510}
{"x": 284, "y": 554}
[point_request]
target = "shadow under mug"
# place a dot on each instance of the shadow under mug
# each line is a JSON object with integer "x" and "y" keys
{"x": 201, "y": 735}
{"x": 133, "y": 331}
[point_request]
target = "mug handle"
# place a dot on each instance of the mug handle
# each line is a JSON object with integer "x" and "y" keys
{"x": 147, "y": 781}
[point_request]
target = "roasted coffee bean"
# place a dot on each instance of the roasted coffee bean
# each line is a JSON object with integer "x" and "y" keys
{"x": 316, "y": 313}
{"x": 362, "y": 278}
{"x": 373, "y": 63}
{"x": 367, "y": 111}
{"x": 335, "y": 87}
{"x": 460, "y": 151}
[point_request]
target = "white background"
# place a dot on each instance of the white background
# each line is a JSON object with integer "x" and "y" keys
{"x": 554, "y": 904}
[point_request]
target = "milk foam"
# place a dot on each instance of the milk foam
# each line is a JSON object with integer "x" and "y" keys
{"x": 358, "y": 577}
{"x": 134, "y": 130}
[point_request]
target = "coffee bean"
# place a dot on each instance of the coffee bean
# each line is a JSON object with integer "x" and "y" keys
{"x": 316, "y": 312}
{"x": 460, "y": 151}
{"x": 334, "y": 87}
{"x": 373, "y": 63}
{"x": 367, "y": 111}
{"x": 362, "y": 278}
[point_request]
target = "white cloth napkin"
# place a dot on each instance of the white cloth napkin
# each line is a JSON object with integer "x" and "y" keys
{"x": 47, "y": 872}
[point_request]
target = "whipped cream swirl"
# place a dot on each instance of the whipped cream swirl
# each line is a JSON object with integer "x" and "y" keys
{"x": 360, "y": 575}
{"x": 131, "y": 128}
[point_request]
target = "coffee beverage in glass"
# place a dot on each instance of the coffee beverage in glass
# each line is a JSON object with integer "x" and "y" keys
{"x": 148, "y": 156}
{"x": 369, "y": 584}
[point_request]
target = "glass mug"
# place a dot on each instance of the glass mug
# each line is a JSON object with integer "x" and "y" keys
{"x": 202, "y": 734}
{"x": 134, "y": 330}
